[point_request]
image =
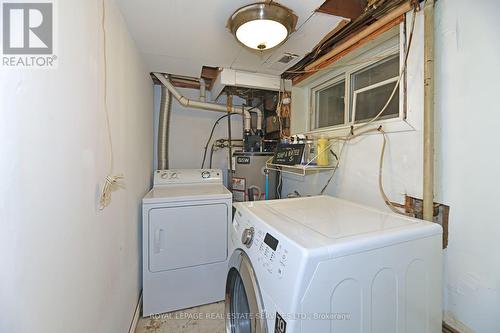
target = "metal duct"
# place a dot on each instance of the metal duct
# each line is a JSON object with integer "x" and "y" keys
{"x": 164, "y": 128}
{"x": 212, "y": 106}
{"x": 203, "y": 91}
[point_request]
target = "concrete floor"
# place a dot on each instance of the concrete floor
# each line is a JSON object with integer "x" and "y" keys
{"x": 201, "y": 319}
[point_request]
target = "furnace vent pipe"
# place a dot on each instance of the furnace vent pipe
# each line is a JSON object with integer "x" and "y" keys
{"x": 203, "y": 91}
{"x": 212, "y": 106}
{"x": 164, "y": 128}
{"x": 428, "y": 186}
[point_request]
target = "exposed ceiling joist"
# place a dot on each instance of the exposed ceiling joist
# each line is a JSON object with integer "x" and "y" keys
{"x": 182, "y": 36}
{"x": 209, "y": 74}
{"x": 179, "y": 82}
{"x": 354, "y": 33}
{"x": 350, "y": 9}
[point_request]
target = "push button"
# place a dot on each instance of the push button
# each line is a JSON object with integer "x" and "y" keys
{"x": 281, "y": 271}
{"x": 283, "y": 259}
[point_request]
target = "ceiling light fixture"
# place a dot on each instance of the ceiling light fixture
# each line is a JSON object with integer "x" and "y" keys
{"x": 262, "y": 26}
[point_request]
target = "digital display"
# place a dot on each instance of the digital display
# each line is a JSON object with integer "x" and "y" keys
{"x": 271, "y": 241}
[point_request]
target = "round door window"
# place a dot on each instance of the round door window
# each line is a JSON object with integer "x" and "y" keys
{"x": 240, "y": 320}
{"x": 243, "y": 301}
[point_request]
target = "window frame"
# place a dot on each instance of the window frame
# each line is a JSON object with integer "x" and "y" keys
{"x": 324, "y": 86}
{"x": 378, "y": 51}
{"x": 368, "y": 88}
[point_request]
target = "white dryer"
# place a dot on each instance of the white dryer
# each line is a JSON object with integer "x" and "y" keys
{"x": 322, "y": 264}
{"x": 185, "y": 230}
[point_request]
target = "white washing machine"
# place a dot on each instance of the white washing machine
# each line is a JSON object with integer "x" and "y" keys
{"x": 322, "y": 264}
{"x": 185, "y": 230}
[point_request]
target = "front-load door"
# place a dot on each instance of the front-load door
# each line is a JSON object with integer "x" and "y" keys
{"x": 187, "y": 236}
{"x": 244, "y": 309}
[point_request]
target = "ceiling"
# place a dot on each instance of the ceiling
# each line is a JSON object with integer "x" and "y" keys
{"x": 181, "y": 36}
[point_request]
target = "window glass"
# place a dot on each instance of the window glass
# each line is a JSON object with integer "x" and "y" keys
{"x": 371, "y": 101}
{"x": 330, "y": 109}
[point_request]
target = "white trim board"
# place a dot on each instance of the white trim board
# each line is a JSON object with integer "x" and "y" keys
{"x": 137, "y": 315}
{"x": 456, "y": 324}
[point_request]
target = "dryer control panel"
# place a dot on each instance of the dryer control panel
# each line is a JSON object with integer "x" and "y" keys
{"x": 187, "y": 176}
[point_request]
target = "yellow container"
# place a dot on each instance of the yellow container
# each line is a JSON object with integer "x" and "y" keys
{"x": 323, "y": 152}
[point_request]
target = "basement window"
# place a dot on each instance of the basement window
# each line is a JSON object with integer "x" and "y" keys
{"x": 371, "y": 88}
{"x": 357, "y": 88}
{"x": 331, "y": 105}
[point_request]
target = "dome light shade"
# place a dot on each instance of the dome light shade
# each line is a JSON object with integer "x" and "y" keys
{"x": 262, "y": 26}
{"x": 261, "y": 34}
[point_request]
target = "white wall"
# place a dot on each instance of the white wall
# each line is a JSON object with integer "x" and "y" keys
{"x": 357, "y": 177}
{"x": 190, "y": 129}
{"x": 467, "y": 162}
{"x": 65, "y": 265}
{"x": 468, "y": 68}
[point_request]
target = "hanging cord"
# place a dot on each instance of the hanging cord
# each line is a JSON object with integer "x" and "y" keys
{"x": 212, "y": 154}
{"x": 387, "y": 201}
{"x": 352, "y": 135}
{"x": 345, "y": 139}
{"x": 280, "y": 182}
{"x": 254, "y": 188}
{"x": 401, "y": 75}
{"x": 111, "y": 181}
{"x": 212, "y": 134}
{"x": 229, "y": 107}
{"x": 280, "y": 112}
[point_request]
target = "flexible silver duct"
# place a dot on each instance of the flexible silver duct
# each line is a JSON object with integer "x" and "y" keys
{"x": 164, "y": 128}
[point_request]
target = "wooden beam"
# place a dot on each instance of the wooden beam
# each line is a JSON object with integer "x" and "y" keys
{"x": 184, "y": 83}
{"x": 334, "y": 57}
{"x": 332, "y": 33}
{"x": 179, "y": 82}
{"x": 448, "y": 329}
{"x": 351, "y": 9}
{"x": 372, "y": 28}
{"x": 209, "y": 74}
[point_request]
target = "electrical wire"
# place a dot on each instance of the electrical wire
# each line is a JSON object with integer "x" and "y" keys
{"x": 350, "y": 63}
{"x": 352, "y": 135}
{"x": 370, "y": 14}
{"x": 387, "y": 201}
{"x": 221, "y": 145}
{"x": 278, "y": 112}
{"x": 211, "y": 156}
{"x": 259, "y": 191}
{"x": 212, "y": 134}
{"x": 401, "y": 75}
{"x": 112, "y": 180}
{"x": 278, "y": 187}
{"x": 346, "y": 139}
{"x": 281, "y": 95}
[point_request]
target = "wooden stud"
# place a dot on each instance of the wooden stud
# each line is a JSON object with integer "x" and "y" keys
{"x": 346, "y": 51}
{"x": 349, "y": 9}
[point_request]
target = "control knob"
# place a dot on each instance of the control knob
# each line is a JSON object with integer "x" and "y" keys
{"x": 205, "y": 174}
{"x": 247, "y": 236}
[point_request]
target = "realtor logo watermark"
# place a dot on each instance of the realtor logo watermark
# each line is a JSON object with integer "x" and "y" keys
{"x": 28, "y": 34}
